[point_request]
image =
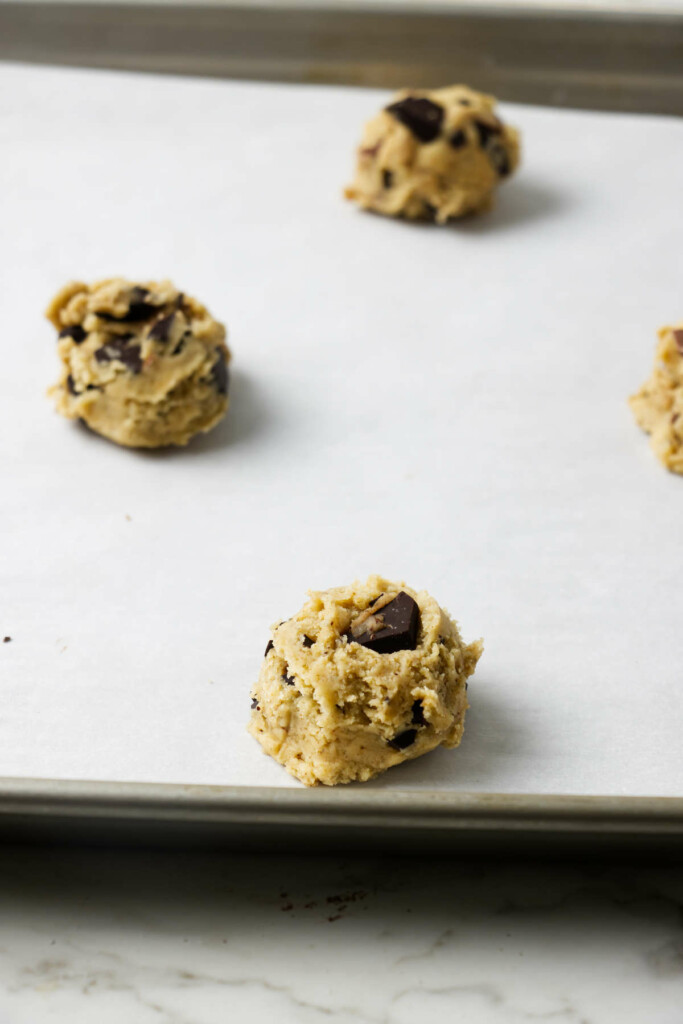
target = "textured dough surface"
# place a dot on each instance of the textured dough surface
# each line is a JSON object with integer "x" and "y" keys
{"x": 658, "y": 406}
{"x": 334, "y": 711}
{"x": 142, "y": 364}
{"x": 405, "y": 171}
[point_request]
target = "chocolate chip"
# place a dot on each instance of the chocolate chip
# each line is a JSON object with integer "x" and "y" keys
{"x": 420, "y": 115}
{"x": 219, "y": 373}
{"x": 76, "y": 333}
{"x": 429, "y": 211}
{"x": 269, "y": 647}
{"x": 458, "y": 140}
{"x": 499, "y": 158}
{"x": 403, "y": 740}
{"x": 179, "y": 347}
{"x": 486, "y": 132}
{"x": 119, "y": 349}
{"x": 678, "y": 338}
{"x": 288, "y": 679}
{"x": 70, "y": 386}
{"x": 6, "y": 639}
{"x": 307, "y": 642}
{"x": 138, "y": 308}
{"x": 387, "y": 179}
{"x": 254, "y": 703}
{"x": 418, "y": 716}
{"x": 393, "y": 628}
{"x": 161, "y": 329}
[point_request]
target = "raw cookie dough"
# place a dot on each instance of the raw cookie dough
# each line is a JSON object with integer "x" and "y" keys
{"x": 658, "y": 406}
{"x": 362, "y": 678}
{"x": 142, "y": 364}
{"x": 434, "y": 155}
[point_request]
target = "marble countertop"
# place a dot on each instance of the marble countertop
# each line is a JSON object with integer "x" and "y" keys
{"x": 161, "y": 938}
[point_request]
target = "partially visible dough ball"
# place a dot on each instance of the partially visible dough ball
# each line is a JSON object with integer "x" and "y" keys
{"x": 658, "y": 406}
{"x": 362, "y": 678}
{"x": 142, "y": 364}
{"x": 434, "y": 155}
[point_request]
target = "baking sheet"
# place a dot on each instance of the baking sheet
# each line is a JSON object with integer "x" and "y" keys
{"x": 443, "y": 406}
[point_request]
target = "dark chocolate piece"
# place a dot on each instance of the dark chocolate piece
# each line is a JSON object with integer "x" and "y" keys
{"x": 403, "y": 740}
{"x": 180, "y": 346}
{"x": 499, "y": 158}
{"x": 387, "y": 179}
{"x": 429, "y": 211}
{"x": 393, "y": 628}
{"x": 161, "y": 329}
{"x": 220, "y": 374}
{"x": 458, "y": 139}
{"x": 6, "y": 639}
{"x": 678, "y": 338}
{"x": 254, "y": 703}
{"x": 269, "y": 647}
{"x": 288, "y": 679}
{"x": 118, "y": 348}
{"x": 418, "y": 717}
{"x": 486, "y": 132}
{"x": 307, "y": 642}
{"x": 420, "y": 115}
{"x": 76, "y": 333}
{"x": 70, "y": 386}
{"x": 138, "y": 308}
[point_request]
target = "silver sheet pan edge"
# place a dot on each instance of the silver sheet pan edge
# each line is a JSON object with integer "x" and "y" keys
{"x": 257, "y": 817}
{"x": 613, "y": 59}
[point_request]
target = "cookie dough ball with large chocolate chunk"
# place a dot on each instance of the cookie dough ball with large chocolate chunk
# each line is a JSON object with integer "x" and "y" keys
{"x": 434, "y": 155}
{"x": 658, "y": 406}
{"x": 362, "y": 678}
{"x": 142, "y": 364}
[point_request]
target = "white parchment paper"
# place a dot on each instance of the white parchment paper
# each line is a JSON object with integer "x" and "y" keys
{"x": 445, "y": 406}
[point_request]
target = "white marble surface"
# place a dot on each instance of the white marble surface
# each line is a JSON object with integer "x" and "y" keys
{"x": 156, "y": 938}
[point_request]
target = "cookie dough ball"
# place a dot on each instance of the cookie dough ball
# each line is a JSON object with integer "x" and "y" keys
{"x": 658, "y": 406}
{"x": 142, "y": 364}
{"x": 434, "y": 155}
{"x": 362, "y": 678}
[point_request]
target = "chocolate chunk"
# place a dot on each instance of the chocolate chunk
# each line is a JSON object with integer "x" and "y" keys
{"x": 70, "y": 386}
{"x": 307, "y": 642}
{"x": 418, "y": 716}
{"x": 499, "y": 158}
{"x": 254, "y": 703}
{"x": 387, "y": 179}
{"x": 678, "y": 338}
{"x": 219, "y": 373}
{"x": 429, "y": 211}
{"x": 486, "y": 132}
{"x": 393, "y": 628}
{"x": 138, "y": 308}
{"x": 180, "y": 346}
{"x": 269, "y": 647}
{"x": 76, "y": 333}
{"x": 458, "y": 140}
{"x": 420, "y": 115}
{"x": 118, "y": 348}
{"x": 288, "y": 679}
{"x": 161, "y": 329}
{"x": 403, "y": 740}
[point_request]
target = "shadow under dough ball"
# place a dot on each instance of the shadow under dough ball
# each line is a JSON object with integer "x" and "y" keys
{"x": 362, "y": 678}
{"x": 434, "y": 155}
{"x": 142, "y": 364}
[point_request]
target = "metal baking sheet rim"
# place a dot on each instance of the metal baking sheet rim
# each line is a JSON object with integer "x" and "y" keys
{"x": 140, "y": 814}
{"x": 614, "y": 58}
